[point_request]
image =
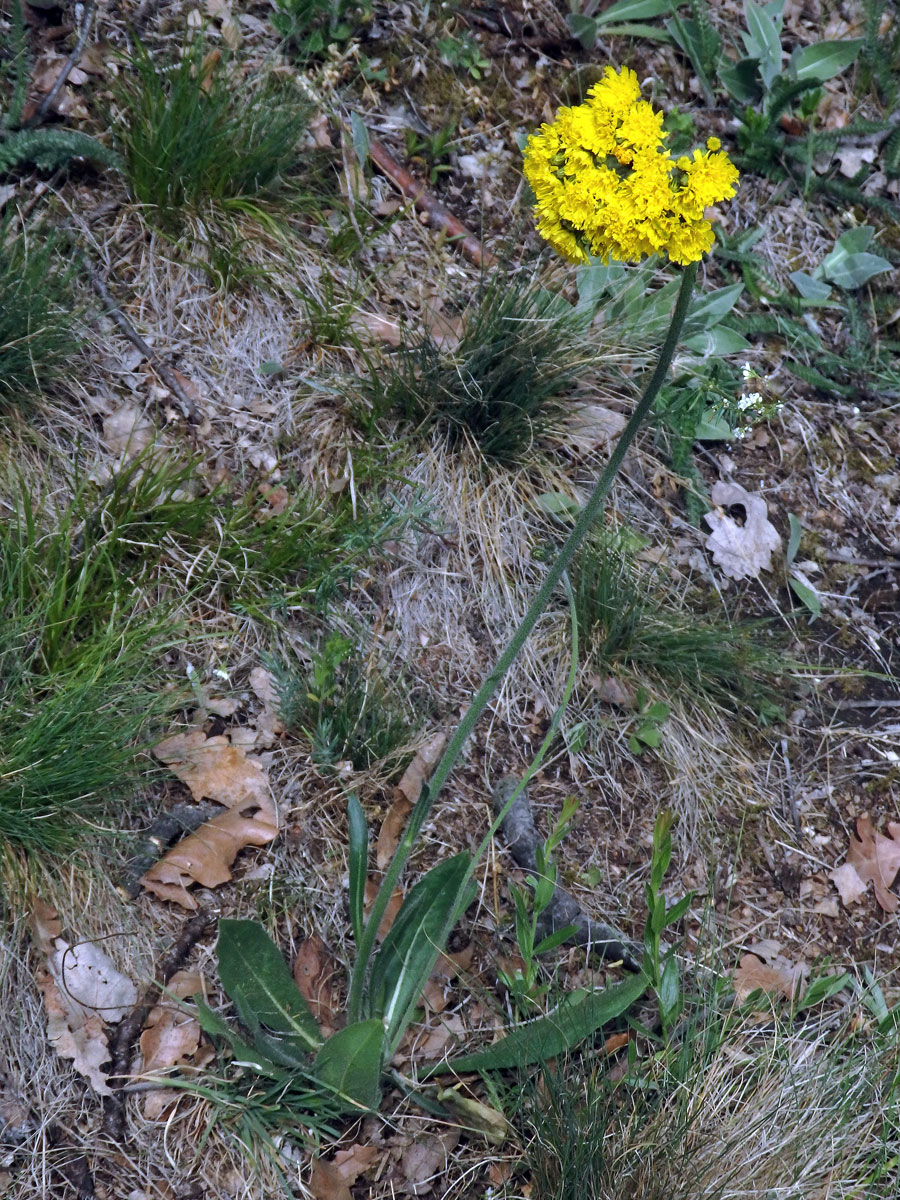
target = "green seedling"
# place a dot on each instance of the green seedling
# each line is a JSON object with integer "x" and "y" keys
{"x": 523, "y": 985}
{"x": 463, "y": 51}
{"x": 648, "y": 733}
{"x": 432, "y": 149}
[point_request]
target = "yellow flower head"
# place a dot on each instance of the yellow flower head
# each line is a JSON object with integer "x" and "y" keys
{"x": 606, "y": 185}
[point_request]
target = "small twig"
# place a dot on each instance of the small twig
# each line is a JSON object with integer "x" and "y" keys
{"x": 70, "y": 62}
{"x": 789, "y": 787}
{"x": 128, "y": 1030}
{"x": 867, "y": 704}
{"x": 438, "y": 216}
{"x": 165, "y": 373}
{"x": 563, "y": 910}
{"x": 892, "y": 564}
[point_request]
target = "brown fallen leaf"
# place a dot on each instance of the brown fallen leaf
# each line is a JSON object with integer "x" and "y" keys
{"x": 406, "y": 793}
{"x": 379, "y": 327}
{"x": 127, "y": 431}
{"x": 421, "y": 767}
{"x": 313, "y": 972}
{"x": 170, "y": 1037}
{"x": 874, "y": 858}
{"x": 424, "y": 1162}
{"x": 742, "y": 551}
{"x": 390, "y": 912}
{"x": 333, "y": 1178}
{"x": 391, "y": 828}
{"x": 205, "y": 856}
{"x": 214, "y": 769}
{"x": 591, "y": 426}
{"x": 83, "y": 992}
{"x": 776, "y": 978}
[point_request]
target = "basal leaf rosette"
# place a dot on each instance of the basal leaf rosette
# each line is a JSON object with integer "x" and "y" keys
{"x": 606, "y": 185}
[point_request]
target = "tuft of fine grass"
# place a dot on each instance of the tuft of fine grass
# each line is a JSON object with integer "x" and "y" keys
{"x": 628, "y": 620}
{"x": 194, "y": 135}
{"x": 77, "y": 684}
{"x": 793, "y": 1109}
{"x": 501, "y": 388}
{"x": 38, "y": 314}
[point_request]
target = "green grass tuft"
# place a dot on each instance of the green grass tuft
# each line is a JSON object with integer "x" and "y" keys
{"x": 342, "y": 705}
{"x": 628, "y": 621}
{"x": 38, "y": 314}
{"x": 194, "y": 135}
{"x": 501, "y": 388}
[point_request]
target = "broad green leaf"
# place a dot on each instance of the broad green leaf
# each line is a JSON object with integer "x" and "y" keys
{"x": 408, "y": 953}
{"x": 579, "y": 1016}
{"x": 717, "y": 342}
{"x": 679, "y": 908}
{"x": 851, "y": 271}
{"x": 824, "y": 60}
{"x": 808, "y": 287}
{"x": 669, "y": 988}
{"x": 557, "y": 504}
{"x": 256, "y": 978}
{"x": 360, "y": 137}
{"x": 794, "y": 539}
{"x": 807, "y": 596}
{"x": 552, "y": 940}
{"x": 709, "y": 309}
{"x": 741, "y": 79}
{"x": 711, "y": 428}
{"x": 633, "y": 10}
{"x": 686, "y": 35}
{"x": 584, "y": 29}
{"x": 763, "y": 41}
{"x": 856, "y": 239}
{"x": 350, "y": 1062}
{"x": 358, "y": 853}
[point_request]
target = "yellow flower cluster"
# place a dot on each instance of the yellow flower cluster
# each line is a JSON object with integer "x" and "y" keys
{"x": 606, "y": 185}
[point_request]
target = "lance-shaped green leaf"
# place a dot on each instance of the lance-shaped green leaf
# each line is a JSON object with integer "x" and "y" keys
{"x": 824, "y": 60}
{"x": 256, "y": 978}
{"x": 576, "y": 1018}
{"x": 359, "y": 854}
{"x": 409, "y": 951}
{"x": 350, "y": 1062}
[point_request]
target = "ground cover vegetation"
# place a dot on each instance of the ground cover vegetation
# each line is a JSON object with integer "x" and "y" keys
{"x": 448, "y": 685}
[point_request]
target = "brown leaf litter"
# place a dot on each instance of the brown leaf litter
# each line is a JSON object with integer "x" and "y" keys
{"x": 214, "y": 769}
{"x": 872, "y": 858}
{"x": 741, "y": 550}
{"x": 83, "y": 993}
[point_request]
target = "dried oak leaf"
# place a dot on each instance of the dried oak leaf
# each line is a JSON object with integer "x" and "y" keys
{"x": 406, "y": 793}
{"x": 872, "y": 858}
{"x": 213, "y": 769}
{"x": 171, "y": 1036}
{"x": 82, "y": 992}
{"x": 313, "y": 972}
{"x": 332, "y": 1178}
{"x": 777, "y": 977}
{"x": 742, "y": 551}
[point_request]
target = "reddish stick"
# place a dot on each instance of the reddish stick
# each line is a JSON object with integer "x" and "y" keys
{"x": 438, "y": 216}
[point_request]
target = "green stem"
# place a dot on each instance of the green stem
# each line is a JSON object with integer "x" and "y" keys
{"x": 585, "y": 520}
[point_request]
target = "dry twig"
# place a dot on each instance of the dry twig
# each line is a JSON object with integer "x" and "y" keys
{"x": 438, "y": 216}
{"x": 129, "y": 1029}
{"x": 165, "y": 373}
{"x": 71, "y": 61}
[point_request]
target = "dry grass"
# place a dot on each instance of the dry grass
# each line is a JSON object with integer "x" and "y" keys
{"x": 758, "y": 1118}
